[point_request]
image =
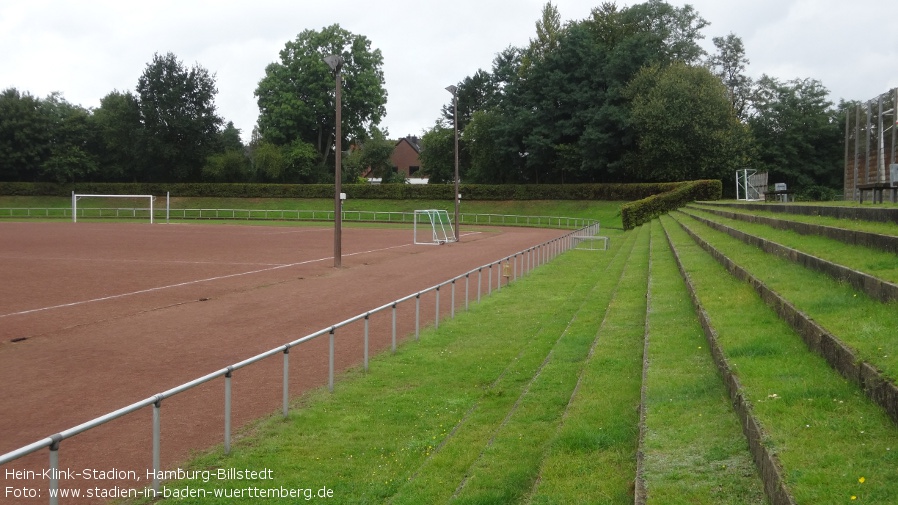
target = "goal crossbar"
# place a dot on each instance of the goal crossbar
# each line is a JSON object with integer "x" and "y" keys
{"x": 78, "y": 196}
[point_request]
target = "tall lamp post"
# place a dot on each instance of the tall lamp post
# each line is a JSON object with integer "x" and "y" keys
{"x": 336, "y": 63}
{"x": 454, "y": 91}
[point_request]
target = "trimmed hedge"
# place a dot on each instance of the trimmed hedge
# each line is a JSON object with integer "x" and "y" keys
{"x": 642, "y": 211}
{"x": 606, "y": 192}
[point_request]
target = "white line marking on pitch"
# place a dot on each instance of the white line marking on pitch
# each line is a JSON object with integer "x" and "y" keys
{"x": 163, "y": 262}
{"x": 187, "y": 283}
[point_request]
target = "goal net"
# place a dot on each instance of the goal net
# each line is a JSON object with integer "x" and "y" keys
{"x": 433, "y": 227}
{"x": 141, "y": 207}
{"x": 589, "y": 242}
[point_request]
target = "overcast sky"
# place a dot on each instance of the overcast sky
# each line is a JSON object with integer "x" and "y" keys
{"x": 88, "y": 48}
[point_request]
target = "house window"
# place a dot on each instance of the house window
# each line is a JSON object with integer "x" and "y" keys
{"x": 412, "y": 169}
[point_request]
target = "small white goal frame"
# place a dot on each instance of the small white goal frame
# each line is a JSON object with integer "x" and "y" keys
{"x": 589, "y": 243}
{"x": 78, "y": 196}
{"x": 440, "y": 228}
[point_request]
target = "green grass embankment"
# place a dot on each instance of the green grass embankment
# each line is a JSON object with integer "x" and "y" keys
{"x": 880, "y": 264}
{"x": 834, "y": 444}
{"x": 592, "y": 458}
{"x": 864, "y": 324}
{"x": 693, "y": 441}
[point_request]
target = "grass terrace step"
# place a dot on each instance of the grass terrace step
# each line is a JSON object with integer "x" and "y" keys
{"x": 693, "y": 447}
{"x": 414, "y": 428}
{"x": 863, "y": 233}
{"x": 822, "y": 309}
{"x": 881, "y": 213}
{"x": 474, "y": 463}
{"x": 592, "y": 458}
{"x": 832, "y": 443}
{"x": 873, "y": 271}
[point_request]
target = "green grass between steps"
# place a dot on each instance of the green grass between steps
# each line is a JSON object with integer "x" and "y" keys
{"x": 474, "y": 465}
{"x": 428, "y": 413}
{"x": 592, "y": 458}
{"x": 834, "y": 444}
{"x": 508, "y": 466}
{"x": 846, "y": 224}
{"x": 865, "y": 325}
{"x": 694, "y": 449}
{"x": 880, "y": 264}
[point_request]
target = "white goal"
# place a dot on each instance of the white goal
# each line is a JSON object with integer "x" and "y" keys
{"x": 590, "y": 242}
{"x": 433, "y": 227}
{"x": 114, "y": 212}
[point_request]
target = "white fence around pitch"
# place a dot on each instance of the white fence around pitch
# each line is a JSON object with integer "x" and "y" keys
{"x": 162, "y": 214}
{"x": 516, "y": 266}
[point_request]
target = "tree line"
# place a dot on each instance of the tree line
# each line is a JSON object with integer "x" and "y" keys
{"x": 629, "y": 95}
{"x": 625, "y": 95}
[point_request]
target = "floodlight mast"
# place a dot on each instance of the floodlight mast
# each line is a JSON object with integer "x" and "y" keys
{"x": 336, "y": 64}
{"x": 454, "y": 90}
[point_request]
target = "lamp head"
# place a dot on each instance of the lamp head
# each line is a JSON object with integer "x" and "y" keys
{"x": 334, "y": 61}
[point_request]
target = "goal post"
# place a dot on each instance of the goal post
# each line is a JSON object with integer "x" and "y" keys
{"x": 78, "y": 196}
{"x": 432, "y": 227}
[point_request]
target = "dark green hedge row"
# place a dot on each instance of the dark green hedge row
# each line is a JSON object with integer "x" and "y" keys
{"x": 613, "y": 192}
{"x": 642, "y": 211}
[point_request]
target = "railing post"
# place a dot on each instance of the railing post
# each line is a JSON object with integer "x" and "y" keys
{"x": 330, "y": 362}
{"x": 489, "y": 280}
{"x": 54, "y": 469}
{"x": 467, "y": 275}
{"x": 394, "y": 327}
{"x": 452, "y": 310}
{"x": 417, "y": 316}
{"x": 227, "y": 412}
{"x": 286, "y": 407}
{"x": 479, "y": 283}
{"x": 436, "y": 323}
{"x": 366, "y": 341}
{"x": 157, "y": 443}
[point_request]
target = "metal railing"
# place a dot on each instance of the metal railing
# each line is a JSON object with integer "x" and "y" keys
{"x": 370, "y": 216}
{"x": 511, "y": 267}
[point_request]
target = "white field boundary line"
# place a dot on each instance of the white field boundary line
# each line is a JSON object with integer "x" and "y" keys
{"x": 188, "y": 283}
{"x": 148, "y": 262}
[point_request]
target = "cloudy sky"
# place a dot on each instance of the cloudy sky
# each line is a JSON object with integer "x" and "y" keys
{"x": 86, "y": 49}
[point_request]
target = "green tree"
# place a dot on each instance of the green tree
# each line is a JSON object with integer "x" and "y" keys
{"x": 728, "y": 64}
{"x": 559, "y": 111}
{"x": 685, "y": 126}
{"x": 493, "y": 159}
{"x": 118, "y": 126}
{"x": 477, "y": 92}
{"x": 180, "y": 125}
{"x": 268, "y": 162}
{"x": 24, "y": 136}
{"x": 548, "y": 31}
{"x": 228, "y": 166}
{"x": 303, "y": 165}
{"x": 799, "y": 136}
{"x": 72, "y": 142}
{"x": 438, "y": 154}
{"x": 229, "y": 138}
{"x": 373, "y": 153}
{"x": 296, "y": 95}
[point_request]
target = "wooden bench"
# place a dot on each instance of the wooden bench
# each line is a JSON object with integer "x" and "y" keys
{"x": 781, "y": 195}
{"x": 877, "y": 188}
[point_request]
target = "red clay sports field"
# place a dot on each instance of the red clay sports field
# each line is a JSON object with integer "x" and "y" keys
{"x": 96, "y": 316}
